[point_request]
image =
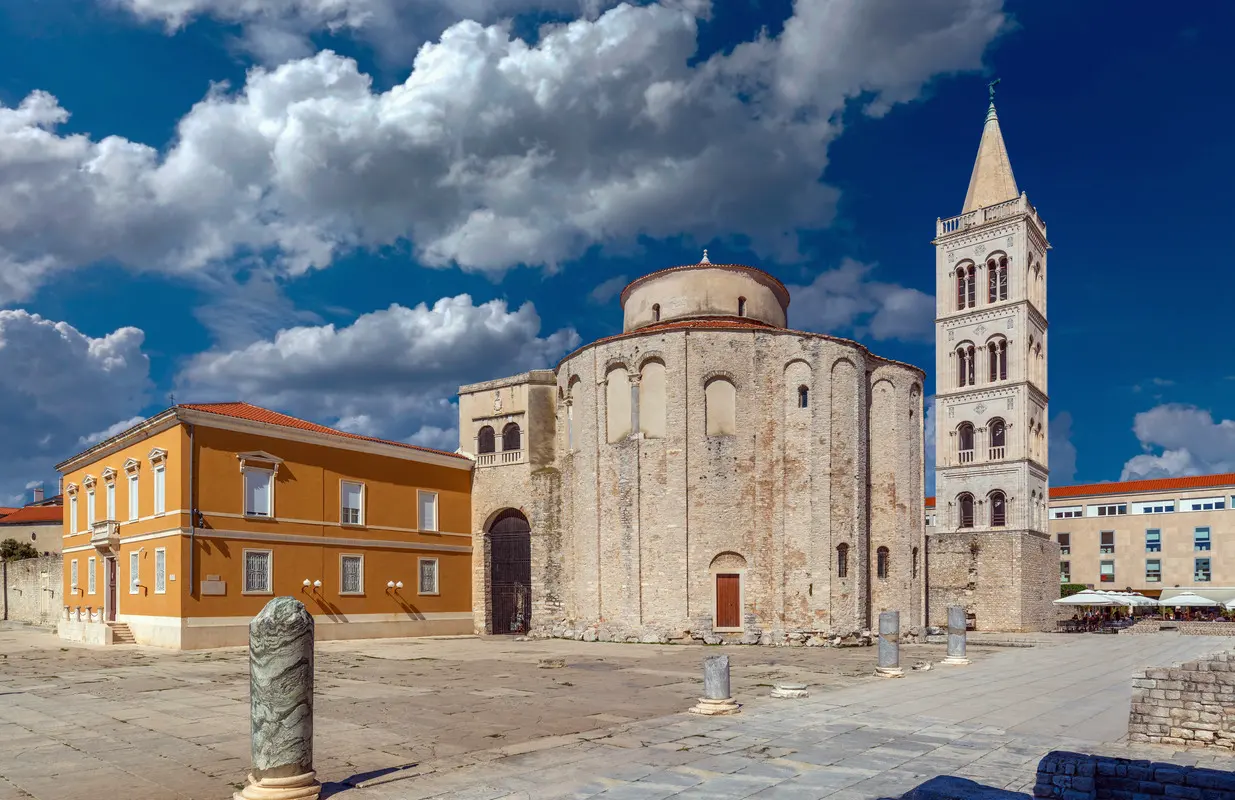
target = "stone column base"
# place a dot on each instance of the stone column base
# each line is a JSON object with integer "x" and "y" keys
{"x": 305, "y": 786}
{"x": 712, "y": 708}
{"x": 957, "y": 661}
{"x": 889, "y": 672}
{"x": 787, "y": 690}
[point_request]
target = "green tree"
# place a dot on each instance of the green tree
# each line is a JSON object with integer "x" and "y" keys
{"x": 13, "y": 550}
{"x": 1069, "y": 589}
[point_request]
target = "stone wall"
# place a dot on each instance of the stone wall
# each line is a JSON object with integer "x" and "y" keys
{"x": 1008, "y": 581}
{"x": 32, "y": 590}
{"x": 1078, "y": 776}
{"x": 1144, "y": 626}
{"x": 1186, "y": 705}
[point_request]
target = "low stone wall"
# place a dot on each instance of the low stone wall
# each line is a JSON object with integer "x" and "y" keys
{"x": 1186, "y": 705}
{"x": 1185, "y": 628}
{"x": 1077, "y": 776}
{"x": 32, "y": 590}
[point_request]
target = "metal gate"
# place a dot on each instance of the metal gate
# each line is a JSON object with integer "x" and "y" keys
{"x": 510, "y": 572}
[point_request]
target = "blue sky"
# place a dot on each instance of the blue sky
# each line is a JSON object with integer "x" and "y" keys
{"x": 224, "y": 203}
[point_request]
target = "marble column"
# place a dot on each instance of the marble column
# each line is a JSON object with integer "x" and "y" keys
{"x": 956, "y": 636}
{"x": 281, "y": 704}
{"x": 889, "y": 645}
{"x": 716, "y": 694}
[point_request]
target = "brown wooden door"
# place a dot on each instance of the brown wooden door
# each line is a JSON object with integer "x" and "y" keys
{"x": 728, "y": 601}
{"x": 109, "y": 577}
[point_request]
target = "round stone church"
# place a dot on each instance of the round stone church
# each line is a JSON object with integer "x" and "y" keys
{"x": 707, "y": 473}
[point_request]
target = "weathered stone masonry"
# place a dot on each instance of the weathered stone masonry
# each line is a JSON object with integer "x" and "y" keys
{"x": 1191, "y": 704}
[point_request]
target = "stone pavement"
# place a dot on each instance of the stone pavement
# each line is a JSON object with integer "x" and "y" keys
{"x": 144, "y": 723}
{"x": 977, "y": 731}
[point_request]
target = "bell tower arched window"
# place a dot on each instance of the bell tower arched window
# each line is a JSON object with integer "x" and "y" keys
{"x": 997, "y": 360}
{"x": 966, "y": 287}
{"x": 999, "y": 510}
{"x": 803, "y": 397}
{"x": 512, "y": 438}
{"x": 964, "y": 442}
{"x": 997, "y": 279}
{"x": 842, "y": 560}
{"x": 964, "y": 504}
{"x": 999, "y": 435}
{"x": 965, "y": 365}
{"x": 485, "y": 440}
{"x": 881, "y": 562}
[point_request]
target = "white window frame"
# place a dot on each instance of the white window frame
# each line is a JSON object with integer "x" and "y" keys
{"x": 343, "y": 557}
{"x": 244, "y": 487}
{"x": 160, "y": 490}
{"x": 73, "y": 575}
{"x": 73, "y": 513}
{"x": 1102, "y": 564}
{"x": 1065, "y": 572}
{"x": 135, "y": 573}
{"x": 111, "y": 500}
{"x": 1154, "y": 507}
{"x": 1209, "y": 570}
{"x": 134, "y": 496}
{"x": 160, "y": 581}
{"x": 1065, "y": 548}
{"x": 1067, "y": 512}
{"x": 1157, "y": 545}
{"x": 437, "y": 576}
{"x": 420, "y": 523}
{"x": 1208, "y": 540}
{"x": 90, "y": 517}
{"x": 1102, "y": 546}
{"x": 90, "y": 579}
{"x": 244, "y": 566}
{"x": 1149, "y": 577}
{"x": 1205, "y": 503}
{"x": 359, "y": 523}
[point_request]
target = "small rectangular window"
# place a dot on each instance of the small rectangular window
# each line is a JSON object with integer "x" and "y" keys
{"x": 428, "y": 576}
{"x": 134, "y": 571}
{"x": 1065, "y": 572}
{"x": 160, "y": 489}
{"x": 1200, "y": 539}
{"x": 1201, "y": 571}
{"x": 90, "y": 509}
{"x": 257, "y": 499}
{"x": 1153, "y": 541}
{"x": 90, "y": 567}
{"x": 73, "y": 575}
{"x": 352, "y": 574}
{"x": 111, "y": 501}
{"x": 1106, "y": 571}
{"x": 351, "y": 511}
{"x": 160, "y": 570}
{"x": 257, "y": 572}
{"x": 73, "y": 514}
{"x": 1065, "y": 544}
{"x": 1107, "y": 546}
{"x": 1153, "y": 570}
{"x": 428, "y": 510}
{"x": 133, "y": 497}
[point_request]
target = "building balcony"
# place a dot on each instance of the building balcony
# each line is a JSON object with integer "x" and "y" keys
{"x": 500, "y": 459}
{"x": 105, "y": 536}
{"x": 997, "y": 453}
{"x": 965, "y": 456}
{"x": 981, "y": 216}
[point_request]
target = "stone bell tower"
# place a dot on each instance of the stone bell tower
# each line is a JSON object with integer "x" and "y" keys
{"x": 989, "y": 549}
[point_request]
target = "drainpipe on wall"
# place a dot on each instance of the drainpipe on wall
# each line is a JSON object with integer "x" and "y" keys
{"x": 192, "y": 521}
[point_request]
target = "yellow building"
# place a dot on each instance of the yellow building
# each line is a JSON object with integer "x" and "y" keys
{"x": 180, "y": 529}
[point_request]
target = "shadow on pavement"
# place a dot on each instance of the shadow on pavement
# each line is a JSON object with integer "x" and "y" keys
{"x": 333, "y": 788}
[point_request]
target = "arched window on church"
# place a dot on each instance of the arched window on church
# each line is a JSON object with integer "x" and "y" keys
{"x": 999, "y": 435}
{"x": 997, "y": 280}
{"x": 915, "y": 563}
{"x": 999, "y": 509}
{"x": 964, "y": 443}
{"x": 971, "y": 287}
{"x": 486, "y": 440}
{"x": 720, "y": 399}
{"x": 803, "y": 397}
{"x": 881, "y": 562}
{"x": 965, "y": 365}
{"x": 842, "y": 561}
{"x": 617, "y": 404}
{"x": 741, "y": 306}
{"x": 656, "y": 312}
{"x": 965, "y": 505}
{"x": 652, "y": 400}
{"x": 512, "y": 438}
{"x": 961, "y": 291}
{"x": 997, "y": 360}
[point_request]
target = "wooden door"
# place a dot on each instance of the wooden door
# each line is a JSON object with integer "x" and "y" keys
{"x": 728, "y": 601}
{"x": 110, "y": 580}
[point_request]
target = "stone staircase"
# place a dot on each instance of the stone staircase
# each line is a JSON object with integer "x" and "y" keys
{"x": 120, "y": 633}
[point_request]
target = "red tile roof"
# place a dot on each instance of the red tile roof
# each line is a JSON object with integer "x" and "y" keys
{"x": 1190, "y": 482}
{"x": 33, "y": 515}
{"x": 4, "y": 510}
{"x": 252, "y": 413}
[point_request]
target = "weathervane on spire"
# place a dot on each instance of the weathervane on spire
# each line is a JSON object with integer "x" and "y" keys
{"x": 990, "y": 87}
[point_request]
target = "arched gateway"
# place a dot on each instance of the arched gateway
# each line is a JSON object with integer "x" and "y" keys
{"x": 510, "y": 572}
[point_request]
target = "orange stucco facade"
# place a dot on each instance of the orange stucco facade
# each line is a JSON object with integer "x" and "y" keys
{"x": 407, "y": 547}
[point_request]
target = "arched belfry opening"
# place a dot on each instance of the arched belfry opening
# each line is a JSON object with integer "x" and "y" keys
{"x": 510, "y": 572}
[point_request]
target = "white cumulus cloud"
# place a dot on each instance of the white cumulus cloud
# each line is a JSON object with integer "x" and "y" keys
{"x": 1180, "y": 440}
{"x": 60, "y": 387}
{"x": 494, "y": 152}
{"x": 392, "y": 373}
{"x": 847, "y": 301}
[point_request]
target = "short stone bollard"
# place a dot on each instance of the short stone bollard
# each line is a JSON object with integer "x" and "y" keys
{"x": 716, "y": 698}
{"x": 785, "y": 691}
{"x": 957, "y": 625}
{"x": 889, "y": 645}
{"x": 281, "y": 704}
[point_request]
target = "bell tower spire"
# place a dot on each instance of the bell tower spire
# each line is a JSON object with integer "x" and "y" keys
{"x": 992, "y": 181}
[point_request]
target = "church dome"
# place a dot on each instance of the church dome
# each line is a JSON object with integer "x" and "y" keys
{"x": 705, "y": 289}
